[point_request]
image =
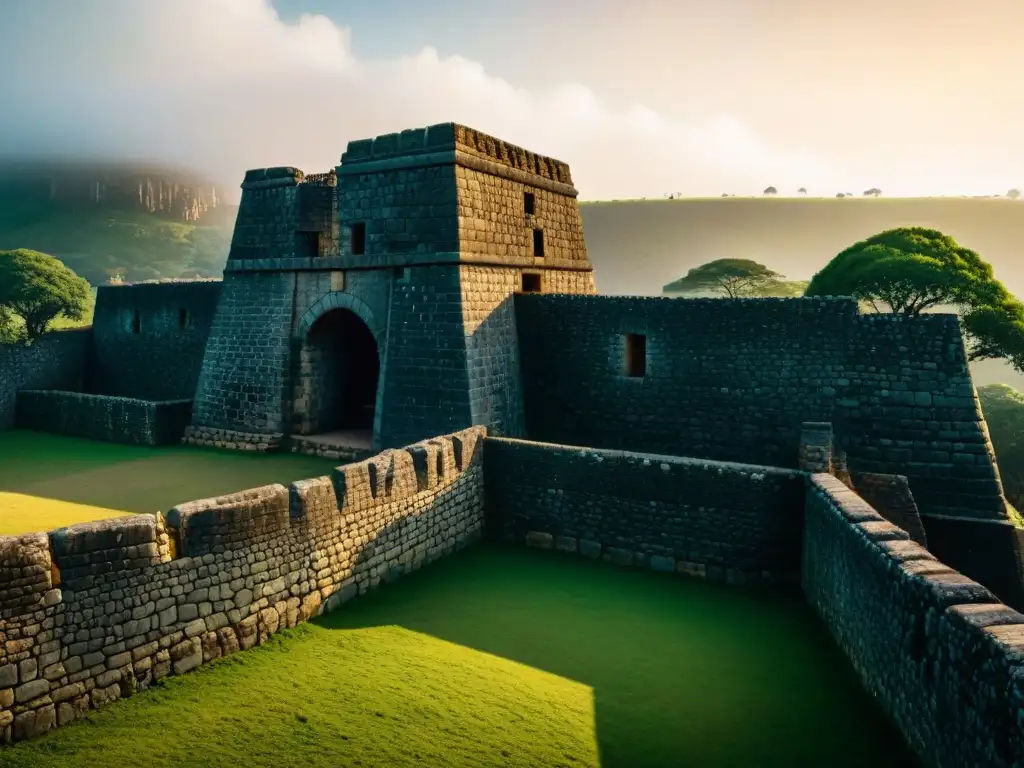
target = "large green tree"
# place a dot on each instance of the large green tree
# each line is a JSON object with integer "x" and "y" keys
{"x": 735, "y": 278}
{"x": 38, "y": 288}
{"x": 912, "y": 270}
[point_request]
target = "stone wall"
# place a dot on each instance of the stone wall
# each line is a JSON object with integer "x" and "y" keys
{"x": 100, "y": 417}
{"x": 941, "y": 654}
{"x": 492, "y": 344}
{"x": 267, "y": 215}
{"x": 493, "y": 221}
{"x": 245, "y": 370}
{"x": 425, "y": 386}
{"x": 450, "y": 191}
{"x": 734, "y": 381}
{"x": 726, "y": 522}
{"x": 404, "y": 211}
{"x": 148, "y": 339}
{"x": 55, "y": 361}
{"x": 99, "y": 611}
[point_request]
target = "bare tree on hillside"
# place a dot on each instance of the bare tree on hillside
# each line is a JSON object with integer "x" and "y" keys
{"x": 873, "y": 192}
{"x": 771, "y": 191}
{"x": 802, "y": 191}
{"x": 840, "y": 194}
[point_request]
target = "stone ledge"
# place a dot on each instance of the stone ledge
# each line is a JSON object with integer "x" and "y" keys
{"x": 390, "y": 261}
{"x": 231, "y": 439}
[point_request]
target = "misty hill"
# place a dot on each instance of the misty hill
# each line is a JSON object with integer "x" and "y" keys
{"x": 637, "y": 247}
{"x": 101, "y": 219}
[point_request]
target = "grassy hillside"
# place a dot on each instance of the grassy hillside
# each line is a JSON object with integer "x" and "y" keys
{"x": 639, "y": 246}
{"x": 97, "y": 243}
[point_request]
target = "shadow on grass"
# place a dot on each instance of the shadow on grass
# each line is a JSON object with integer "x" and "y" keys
{"x": 683, "y": 673}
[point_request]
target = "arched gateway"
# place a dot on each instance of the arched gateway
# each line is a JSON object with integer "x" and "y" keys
{"x": 339, "y": 370}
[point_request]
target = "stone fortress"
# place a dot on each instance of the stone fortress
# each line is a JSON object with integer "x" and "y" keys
{"x": 426, "y": 314}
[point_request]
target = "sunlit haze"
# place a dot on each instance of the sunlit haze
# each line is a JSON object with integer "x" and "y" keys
{"x": 642, "y": 98}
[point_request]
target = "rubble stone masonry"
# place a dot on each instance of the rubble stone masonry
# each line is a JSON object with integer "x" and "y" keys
{"x": 99, "y": 611}
{"x": 941, "y": 654}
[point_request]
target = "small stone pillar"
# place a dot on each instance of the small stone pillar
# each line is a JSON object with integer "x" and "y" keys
{"x": 815, "y": 447}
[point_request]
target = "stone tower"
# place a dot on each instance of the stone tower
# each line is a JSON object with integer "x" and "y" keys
{"x": 376, "y": 300}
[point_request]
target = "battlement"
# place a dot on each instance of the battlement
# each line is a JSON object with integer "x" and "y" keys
{"x": 454, "y": 139}
{"x": 266, "y": 178}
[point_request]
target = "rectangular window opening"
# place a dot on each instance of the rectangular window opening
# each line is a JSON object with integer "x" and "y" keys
{"x": 538, "y": 243}
{"x": 136, "y": 322}
{"x": 402, "y": 274}
{"x": 183, "y": 318}
{"x": 358, "y": 238}
{"x": 531, "y": 282}
{"x": 636, "y": 355}
{"x": 528, "y": 203}
{"x": 307, "y": 245}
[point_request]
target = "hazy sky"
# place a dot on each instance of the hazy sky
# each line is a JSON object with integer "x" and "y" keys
{"x": 641, "y": 97}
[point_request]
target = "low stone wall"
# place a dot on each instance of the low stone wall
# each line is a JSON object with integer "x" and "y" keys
{"x": 55, "y": 361}
{"x": 232, "y": 439}
{"x": 728, "y": 522}
{"x": 99, "y": 611}
{"x": 101, "y": 417}
{"x": 318, "y": 446}
{"x": 939, "y": 651}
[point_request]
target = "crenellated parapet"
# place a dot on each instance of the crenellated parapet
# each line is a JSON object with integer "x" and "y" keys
{"x": 451, "y": 143}
{"x": 97, "y": 611}
{"x": 284, "y": 214}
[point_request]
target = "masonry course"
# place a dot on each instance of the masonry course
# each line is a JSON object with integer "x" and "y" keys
{"x": 703, "y": 437}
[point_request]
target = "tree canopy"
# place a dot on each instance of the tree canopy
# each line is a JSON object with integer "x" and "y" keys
{"x": 38, "y": 288}
{"x": 1013, "y": 194}
{"x": 735, "y": 278}
{"x": 996, "y": 332}
{"x": 910, "y": 269}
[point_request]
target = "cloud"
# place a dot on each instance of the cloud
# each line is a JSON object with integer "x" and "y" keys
{"x": 225, "y": 85}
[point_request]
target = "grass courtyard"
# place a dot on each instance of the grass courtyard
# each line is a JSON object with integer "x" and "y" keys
{"x": 493, "y": 657}
{"x": 48, "y": 481}
{"x": 499, "y": 657}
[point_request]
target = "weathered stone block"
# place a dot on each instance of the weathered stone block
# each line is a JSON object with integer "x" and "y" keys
{"x": 31, "y": 690}
{"x": 565, "y": 543}
{"x": 539, "y": 540}
{"x": 35, "y": 722}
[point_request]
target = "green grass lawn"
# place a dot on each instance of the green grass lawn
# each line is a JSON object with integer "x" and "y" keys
{"x": 48, "y": 481}
{"x": 497, "y": 657}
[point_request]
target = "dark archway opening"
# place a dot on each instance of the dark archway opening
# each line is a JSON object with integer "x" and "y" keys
{"x": 339, "y": 370}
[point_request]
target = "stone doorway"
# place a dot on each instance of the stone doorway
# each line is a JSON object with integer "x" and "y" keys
{"x": 336, "y": 391}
